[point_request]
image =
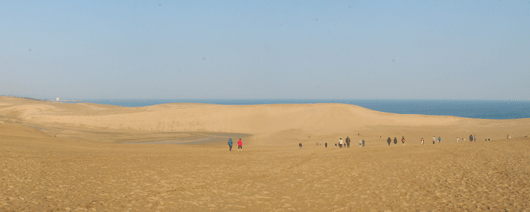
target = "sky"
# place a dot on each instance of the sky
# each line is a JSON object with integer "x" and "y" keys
{"x": 265, "y": 49}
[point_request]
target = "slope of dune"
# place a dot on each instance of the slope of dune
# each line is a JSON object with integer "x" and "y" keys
{"x": 89, "y": 157}
{"x": 258, "y": 120}
{"x": 254, "y": 119}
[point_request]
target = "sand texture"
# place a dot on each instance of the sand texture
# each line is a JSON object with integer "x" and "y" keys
{"x": 174, "y": 157}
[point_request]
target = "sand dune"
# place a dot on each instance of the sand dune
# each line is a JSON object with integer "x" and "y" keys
{"x": 218, "y": 118}
{"x": 259, "y": 119}
{"x": 78, "y": 157}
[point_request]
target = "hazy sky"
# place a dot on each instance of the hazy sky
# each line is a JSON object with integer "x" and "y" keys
{"x": 265, "y": 49}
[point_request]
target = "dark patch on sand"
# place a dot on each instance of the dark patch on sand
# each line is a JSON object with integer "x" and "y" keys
{"x": 197, "y": 138}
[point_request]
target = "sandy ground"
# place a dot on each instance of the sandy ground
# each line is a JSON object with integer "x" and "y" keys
{"x": 78, "y": 157}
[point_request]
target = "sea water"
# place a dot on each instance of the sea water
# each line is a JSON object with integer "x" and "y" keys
{"x": 481, "y": 109}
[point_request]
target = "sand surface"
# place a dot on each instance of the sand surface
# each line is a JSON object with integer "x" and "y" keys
{"x": 174, "y": 157}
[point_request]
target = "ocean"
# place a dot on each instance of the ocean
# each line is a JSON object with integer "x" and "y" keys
{"x": 481, "y": 109}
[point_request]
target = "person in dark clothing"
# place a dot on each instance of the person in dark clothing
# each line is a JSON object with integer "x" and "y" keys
{"x": 470, "y": 138}
{"x": 363, "y": 142}
{"x": 326, "y": 145}
{"x": 403, "y": 140}
{"x": 348, "y": 142}
{"x": 300, "y": 144}
{"x": 395, "y": 140}
{"x": 389, "y": 140}
{"x": 230, "y": 143}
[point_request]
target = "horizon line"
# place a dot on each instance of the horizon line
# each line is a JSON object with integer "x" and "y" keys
{"x": 260, "y": 99}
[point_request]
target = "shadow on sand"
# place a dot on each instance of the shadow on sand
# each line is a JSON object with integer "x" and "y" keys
{"x": 196, "y": 138}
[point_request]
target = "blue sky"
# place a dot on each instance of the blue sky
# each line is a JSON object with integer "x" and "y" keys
{"x": 265, "y": 49}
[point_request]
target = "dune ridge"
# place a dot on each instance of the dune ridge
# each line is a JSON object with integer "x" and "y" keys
{"x": 254, "y": 119}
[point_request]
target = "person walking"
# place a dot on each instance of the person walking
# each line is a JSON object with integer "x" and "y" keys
{"x": 300, "y": 144}
{"x": 395, "y": 140}
{"x": 433, "y": 140}
{"x": 439, "y": 139}
{"x": 389, "y": 140}
{"x": 360, "y": 143}
{"x": 326, "y": 145}
{"x": 239, "y": 145}
{"x": 422, "y": 142}
{"x": 340, "y": 143}
{"x": 348, "y": 141}
{"x": 403, "y": 140}
{"x": 470, "y": 138}
{"x": 363, "y": 142}
{"x": 230, "y": 143}
{"x": 457, "y": 139}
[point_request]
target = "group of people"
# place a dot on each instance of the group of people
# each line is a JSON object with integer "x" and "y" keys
{"x": 361, "y": 143}
{"x": 389, "y": 140}
{"x": 340, "y": 144}
{"x": 471, "y": 138}
{"x": 239, "y": 144}
{"x": 347, "y": 142}
{"x": 433, "y": 139}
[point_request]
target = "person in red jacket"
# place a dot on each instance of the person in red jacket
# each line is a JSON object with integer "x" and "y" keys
{"x": 239, "y": 145}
